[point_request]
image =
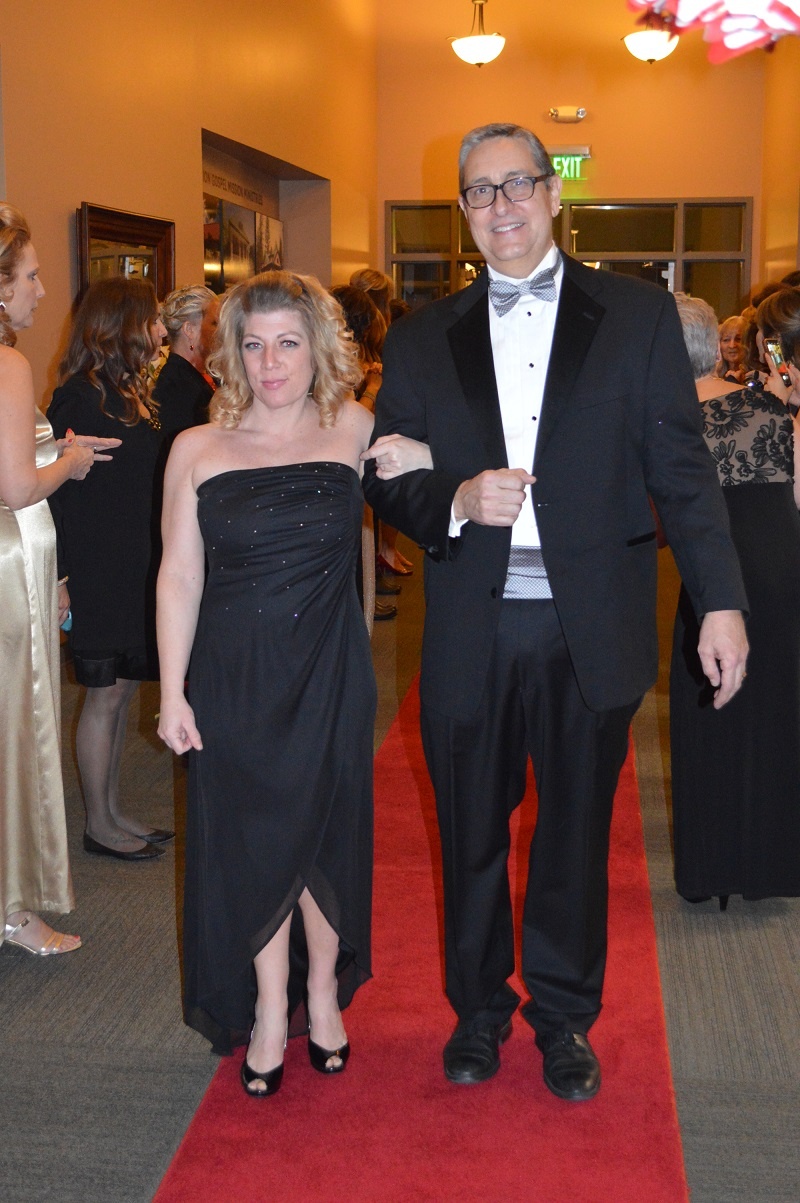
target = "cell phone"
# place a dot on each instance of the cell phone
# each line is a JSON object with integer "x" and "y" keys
{"x": 773, "y": 346}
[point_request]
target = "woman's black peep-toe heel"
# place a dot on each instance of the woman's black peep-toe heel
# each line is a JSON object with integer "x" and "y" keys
{"x": 272, "y": 1080}
{"x": 319, "y": 1057}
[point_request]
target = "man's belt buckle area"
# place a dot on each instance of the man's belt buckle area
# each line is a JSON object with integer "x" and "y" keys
{"x": 526, "y": 579}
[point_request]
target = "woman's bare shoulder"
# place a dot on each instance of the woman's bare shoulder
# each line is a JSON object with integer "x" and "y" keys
{"x": 353, "y": 416}
{"x": 14, "y": 366}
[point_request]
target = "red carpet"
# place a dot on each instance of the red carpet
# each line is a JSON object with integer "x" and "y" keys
{"x": 391, "y": 1128}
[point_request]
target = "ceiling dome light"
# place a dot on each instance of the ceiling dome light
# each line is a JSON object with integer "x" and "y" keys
{"x": 479, "y": 47}
{"x": 651, "y": 45}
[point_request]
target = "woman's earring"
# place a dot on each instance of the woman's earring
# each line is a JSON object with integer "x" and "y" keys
{"x": 2, "y": 306}
{"x": 191, "y": 346}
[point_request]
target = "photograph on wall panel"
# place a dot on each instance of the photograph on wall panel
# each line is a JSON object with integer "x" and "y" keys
{"x": 212, "y": 244}
{"x": 238, "y": 243}
{"x": 269, "y": 243}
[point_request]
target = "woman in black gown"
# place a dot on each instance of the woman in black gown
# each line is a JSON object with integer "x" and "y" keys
{"x": 736, "y": 771}
{"x": 108, "y": 544}
{"x": 182, "y": 391}
{"x": 281, "y": 691}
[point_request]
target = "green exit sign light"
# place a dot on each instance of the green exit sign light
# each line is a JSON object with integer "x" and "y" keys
{"x": 568, "y": 161}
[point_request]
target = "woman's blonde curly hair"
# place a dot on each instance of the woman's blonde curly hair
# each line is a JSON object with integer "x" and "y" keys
{"x": 334, "y": 357}
{"x": 15, "y": 235}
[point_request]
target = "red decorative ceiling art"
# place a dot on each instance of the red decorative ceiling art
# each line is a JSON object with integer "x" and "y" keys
{"x": 732, "y": 27}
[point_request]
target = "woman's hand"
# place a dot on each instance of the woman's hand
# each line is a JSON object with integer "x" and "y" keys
{"x": 79, "y": 460}
{"x": 794, "y": 375}
{"x": 88, "y": 440}
{"x": 63, "y": 603}
{"x": 176, "y": 726}
{"x": 774, "y": 383}
{"x": 395, "y": 454}
{"x": 80, "y": 451}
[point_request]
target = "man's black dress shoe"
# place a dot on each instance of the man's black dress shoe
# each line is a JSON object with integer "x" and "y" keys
{"x": 148, "y": 852}
{"x": 385, "y": 587}
{"x": 571, "y": 1070}
{"x": 472, "y": 1054}
{"x": 384, "y": 610}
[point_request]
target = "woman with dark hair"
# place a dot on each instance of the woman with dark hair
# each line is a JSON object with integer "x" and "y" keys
{"x": 281, "y": 703}
{"x": 34, "y": 866}
{"x": 109, "y": 543}
{"x": 778, "y": 318}
{"x": 182, "y": 391}
{"x": 736, "y": 771}
{"x": 379, "y": 288}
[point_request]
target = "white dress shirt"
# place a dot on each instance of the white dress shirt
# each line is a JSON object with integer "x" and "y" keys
{"x": 521, "y": 343}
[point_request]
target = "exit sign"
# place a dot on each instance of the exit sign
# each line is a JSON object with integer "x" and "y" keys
{"x": 568, "y": 161}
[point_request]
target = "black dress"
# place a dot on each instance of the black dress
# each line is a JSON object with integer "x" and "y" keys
{"x": 182, "y": 394}
{"x": 107, "y": 527}
{"x": 736, "y": 771}
{"x": 281, "y": 682}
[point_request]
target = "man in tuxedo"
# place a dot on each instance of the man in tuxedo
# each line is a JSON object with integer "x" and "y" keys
{"x": 555, "y": 399}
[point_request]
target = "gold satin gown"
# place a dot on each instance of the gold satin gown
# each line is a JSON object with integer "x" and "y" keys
{"x": 34, "y": 866}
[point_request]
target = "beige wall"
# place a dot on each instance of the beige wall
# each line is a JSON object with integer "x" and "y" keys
{"x": 104, "y": 101}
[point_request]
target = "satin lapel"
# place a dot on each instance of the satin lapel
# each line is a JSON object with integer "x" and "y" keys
{"x": 578, "y": 318}
{"x": 471, "y": 348}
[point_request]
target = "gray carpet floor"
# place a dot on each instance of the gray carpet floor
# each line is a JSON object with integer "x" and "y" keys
{"x": 101, "y": 1078}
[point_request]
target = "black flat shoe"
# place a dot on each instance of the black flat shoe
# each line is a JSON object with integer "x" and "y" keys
{"x": 272, "y": 1080}
{"x": 148, "y": 852}
{"x": 472, "y": 1054}
{"x": 319, "y": 1057}
{"x": 571, "y": 1070}
{"x": 158, "y": 836}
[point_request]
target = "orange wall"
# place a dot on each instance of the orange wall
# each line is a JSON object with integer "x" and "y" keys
{"x": 678, "y": 128}
{"x": 104, "y": 102}
{"x": 781, "y": 162}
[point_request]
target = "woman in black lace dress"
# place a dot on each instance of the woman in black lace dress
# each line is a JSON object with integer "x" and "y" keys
{"x": 736, "y": 771}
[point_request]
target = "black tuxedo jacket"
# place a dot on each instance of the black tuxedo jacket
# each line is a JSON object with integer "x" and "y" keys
{"x": 620, "y": 420}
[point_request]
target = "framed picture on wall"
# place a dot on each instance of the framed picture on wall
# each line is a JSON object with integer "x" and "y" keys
{"x": 112, "y": 242}
{"x": 269, "y": 243}
{"x": 212, "y": 243}
{"x": 238, "y": 243}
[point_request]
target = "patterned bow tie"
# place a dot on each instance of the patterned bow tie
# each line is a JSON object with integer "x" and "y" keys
{"x": 504, "y": 295}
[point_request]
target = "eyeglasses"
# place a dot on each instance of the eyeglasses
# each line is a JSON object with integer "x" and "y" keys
{"x": 481, "y": 196}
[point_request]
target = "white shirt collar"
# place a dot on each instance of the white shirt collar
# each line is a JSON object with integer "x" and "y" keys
{"x": 551, "y": 259}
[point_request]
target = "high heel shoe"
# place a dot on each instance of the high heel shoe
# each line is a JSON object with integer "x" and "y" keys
{"x": 319, "y": 1057}
{"x": 272, "y": 1078}
{"x": 397, "y": 569}
{"x": 51, "y": 946}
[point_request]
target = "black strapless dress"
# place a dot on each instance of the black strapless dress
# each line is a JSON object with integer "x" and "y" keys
{"x": 283, "y": 691}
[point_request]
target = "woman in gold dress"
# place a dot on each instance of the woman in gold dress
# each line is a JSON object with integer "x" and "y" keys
{"x": 34, "y": 868}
